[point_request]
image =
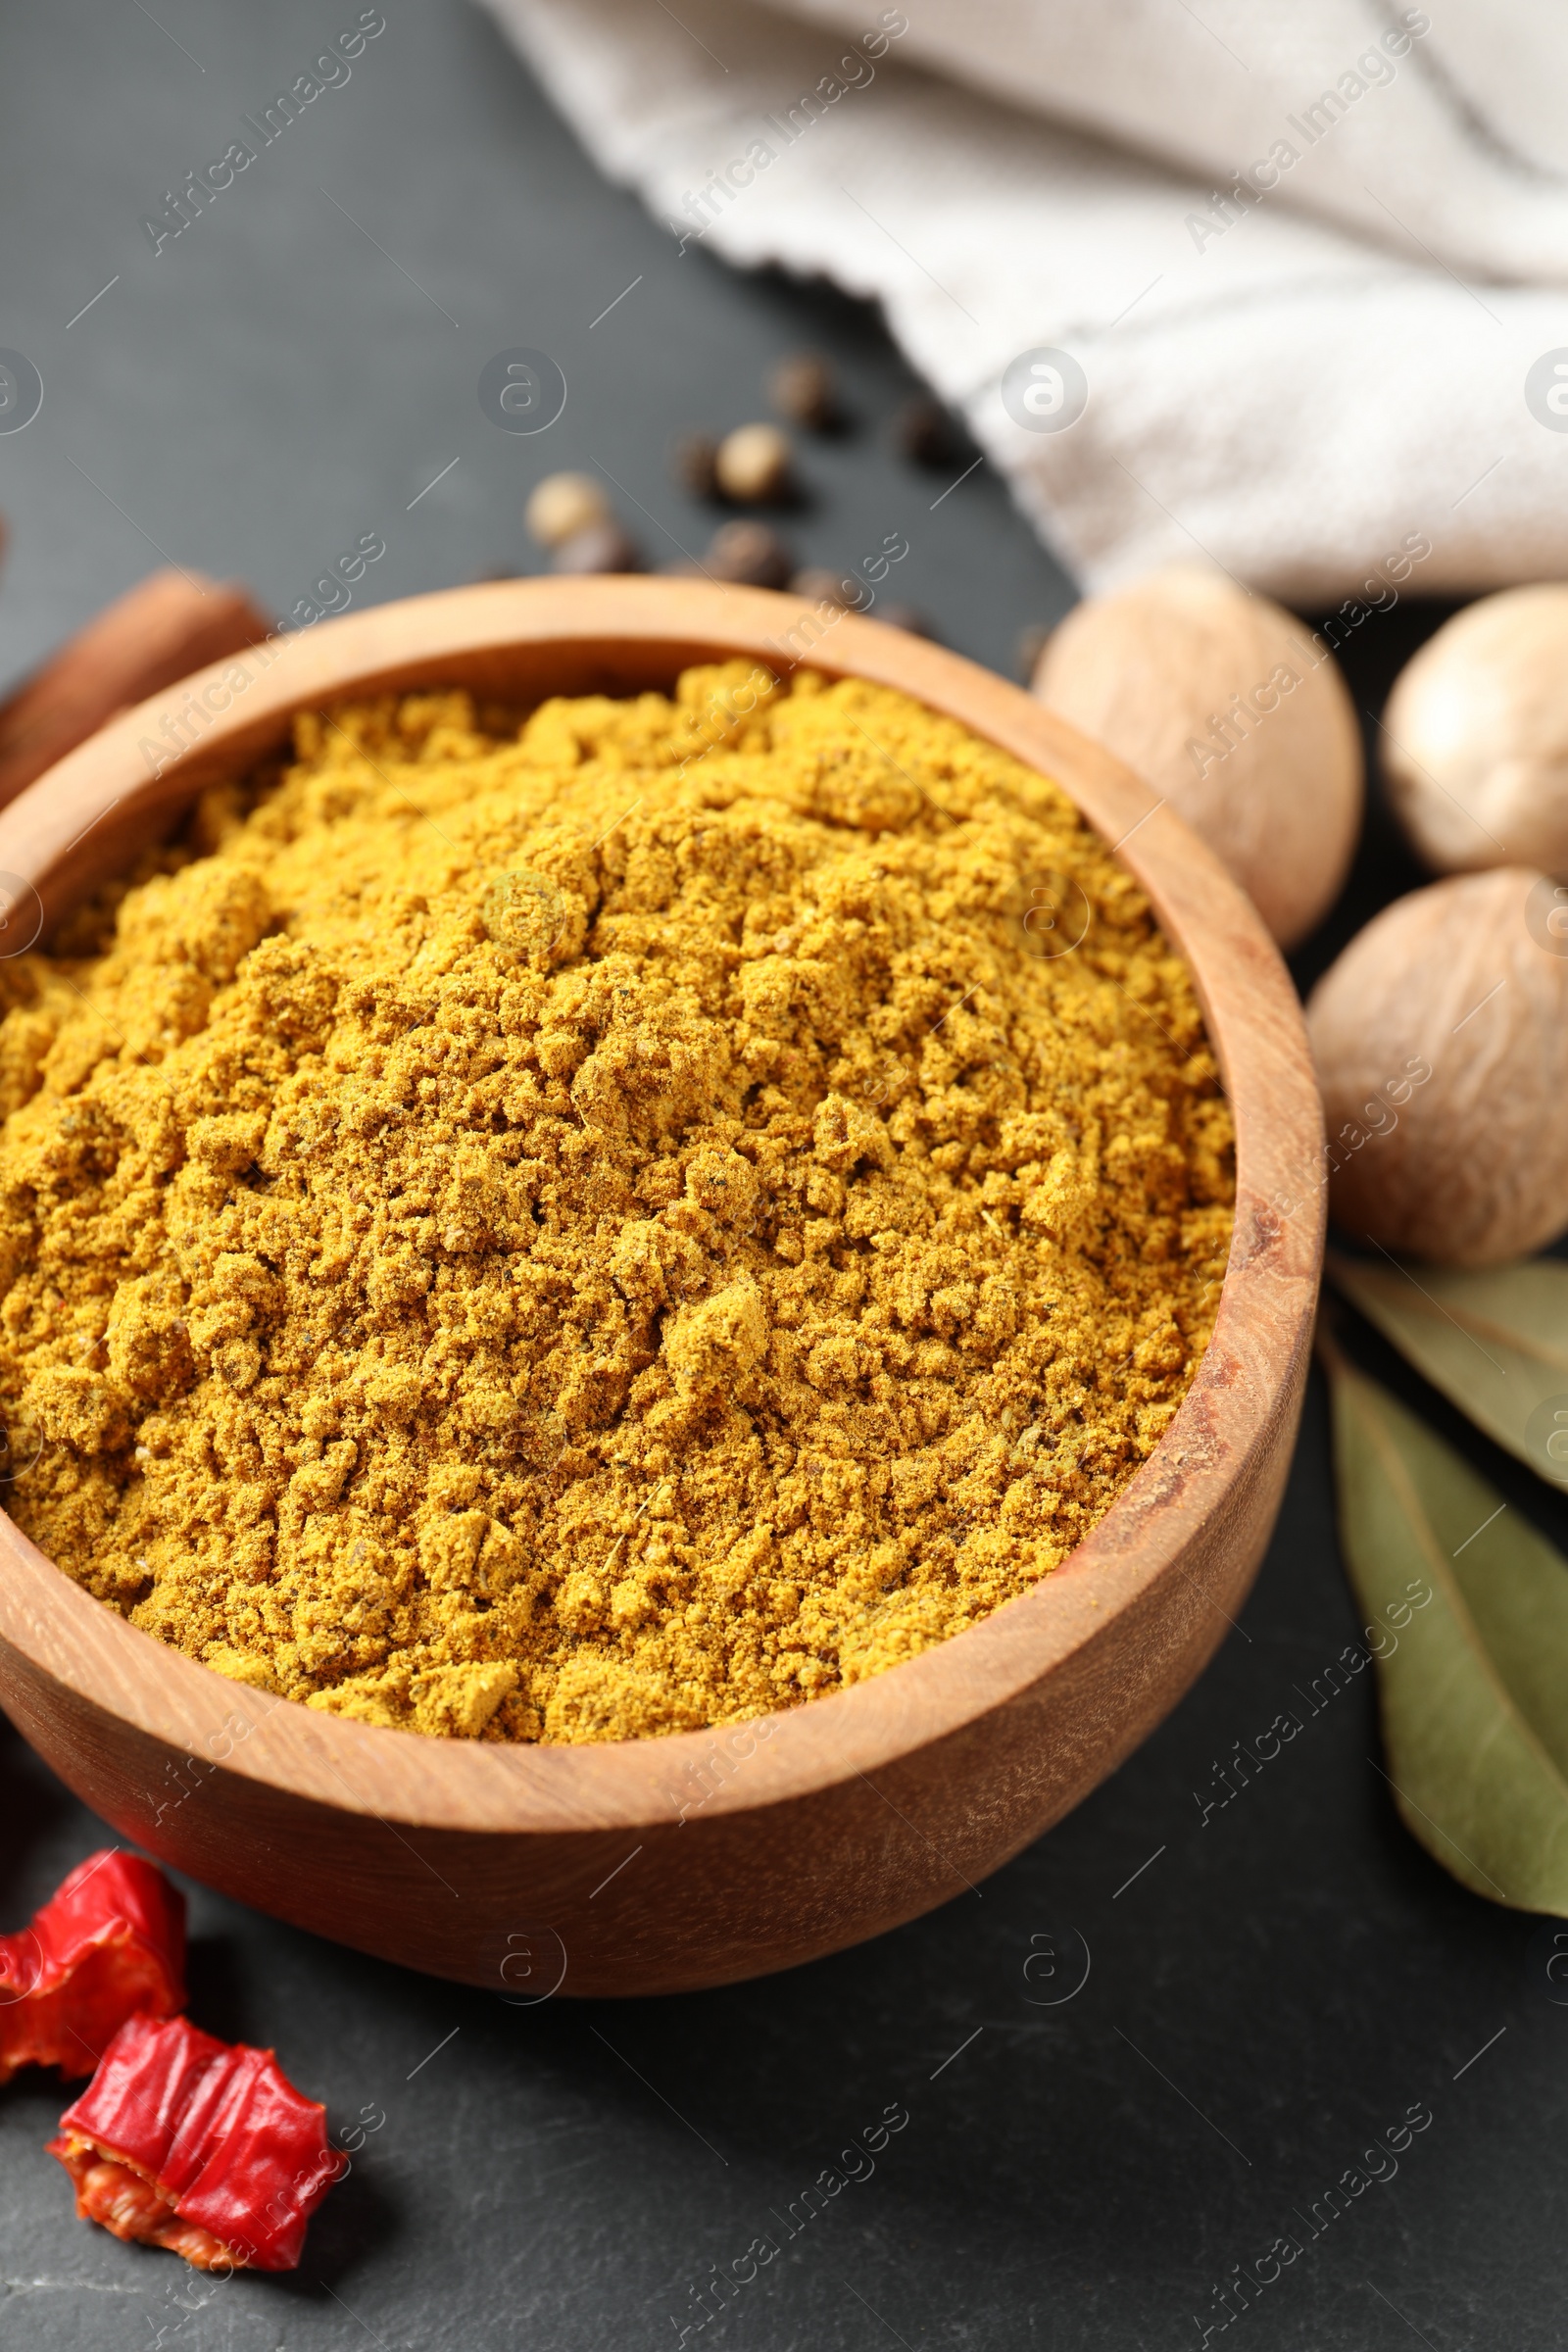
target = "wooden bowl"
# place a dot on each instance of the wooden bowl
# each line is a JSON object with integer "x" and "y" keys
{"x": 652, "y": 1866}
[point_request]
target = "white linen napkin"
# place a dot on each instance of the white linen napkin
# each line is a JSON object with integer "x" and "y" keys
{"x": 1283, "y": 283}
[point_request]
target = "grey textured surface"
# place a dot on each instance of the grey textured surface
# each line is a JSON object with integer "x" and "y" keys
{"x": 274, "y": 382}
{"x": 1266, "y": 1991}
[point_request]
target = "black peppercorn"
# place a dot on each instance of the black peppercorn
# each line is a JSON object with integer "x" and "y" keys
{"x": 905, "y": 617}
{"x": 923, "y": 432}
{"x": 750, "y": 555}
{"x": 824, "y": 587}
{"x": 802, "y": 387}
{"x": 694, "y": 463}
{"x": 753, "y": 465}
{"x": 602, "y": 547}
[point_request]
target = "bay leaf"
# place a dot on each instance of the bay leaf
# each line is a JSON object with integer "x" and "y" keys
{"x": 1495, "y": 1342}
{"x": 1472, "y": 1682}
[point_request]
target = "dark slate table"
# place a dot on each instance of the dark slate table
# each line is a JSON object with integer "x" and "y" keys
{"x": 1085, "y": 2159}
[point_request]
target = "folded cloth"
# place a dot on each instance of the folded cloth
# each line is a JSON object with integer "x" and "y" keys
{"x": 1278, "y": 288}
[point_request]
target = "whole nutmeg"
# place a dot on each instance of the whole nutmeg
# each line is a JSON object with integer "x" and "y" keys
{"x": 803, "y": 388}
{"x": 562, "y": 505}
{"x": 602, "y": 547}
{"x": 753, "y": 465}
{"x": 1475, "y": 739}
{"x": 1440, "y": 1039}
{"x": 750, "y": 555}
{"x": 1227, "y": 706}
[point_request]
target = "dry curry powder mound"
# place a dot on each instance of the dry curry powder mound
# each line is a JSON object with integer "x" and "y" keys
{"x": 602, "y": 1227}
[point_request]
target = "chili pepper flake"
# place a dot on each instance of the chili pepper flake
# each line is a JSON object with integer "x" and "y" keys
{"x": 110, "y": 1941}
{"x": 198, "y": 2145}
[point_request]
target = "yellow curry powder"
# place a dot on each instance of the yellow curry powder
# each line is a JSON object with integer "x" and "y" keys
{"x": 607, "y": 1227}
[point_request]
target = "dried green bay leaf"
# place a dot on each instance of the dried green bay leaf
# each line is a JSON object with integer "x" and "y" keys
{"x": 1497, "y": 1344}
{"x": 1473, "y": 1686}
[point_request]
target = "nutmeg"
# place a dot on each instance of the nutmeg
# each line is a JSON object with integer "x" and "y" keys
{"x": 1440, "y": 1039}
{"x": 1475, "y": 739}
{"x": 1229, "y": 707}
{"x": 564, "y": 505}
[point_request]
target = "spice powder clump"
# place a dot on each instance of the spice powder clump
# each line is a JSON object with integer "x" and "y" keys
{"x": 596, "y": 1228}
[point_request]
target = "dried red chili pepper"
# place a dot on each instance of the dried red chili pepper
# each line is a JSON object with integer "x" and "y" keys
{"x": 199, "y": 2145}
{"x": 110, "y": 1941}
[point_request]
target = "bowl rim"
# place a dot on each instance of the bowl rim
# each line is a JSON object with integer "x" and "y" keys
{"x": 81, "y": 821}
